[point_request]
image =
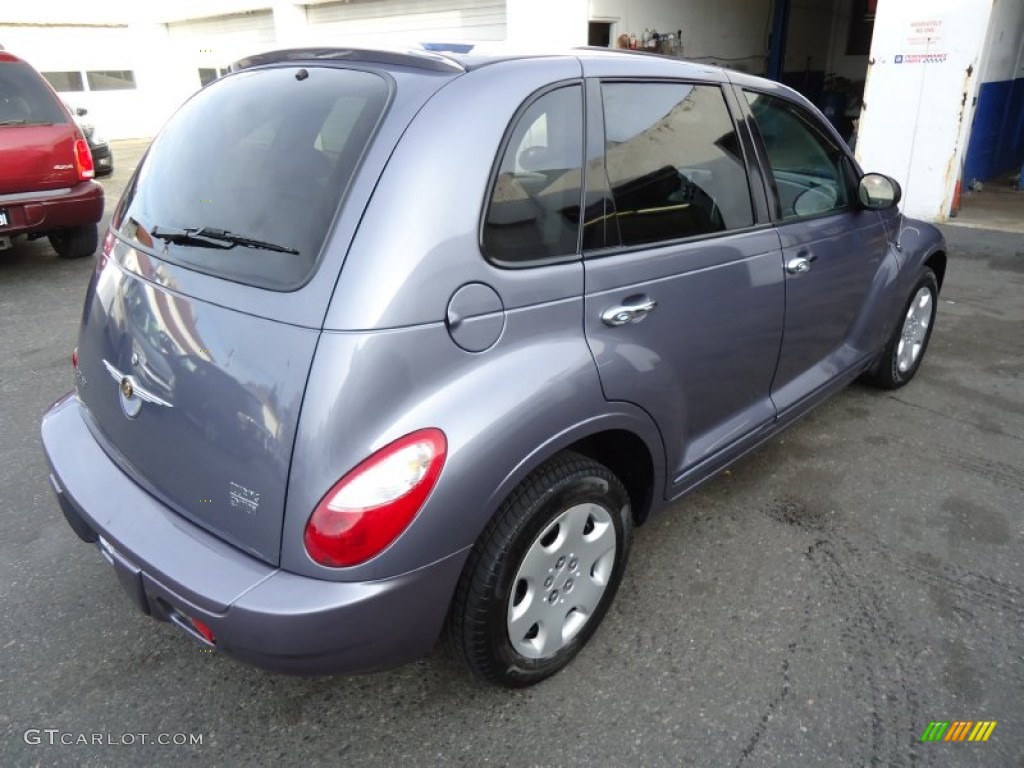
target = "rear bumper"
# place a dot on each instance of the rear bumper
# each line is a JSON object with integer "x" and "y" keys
{"x": 31, "y": 213}
{"x": 176, "y": 571}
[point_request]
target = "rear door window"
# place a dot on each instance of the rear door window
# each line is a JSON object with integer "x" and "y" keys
{"x": 674, "y": 162}
{"x": 25, "y": 99}
{"x": 244, "y": 180}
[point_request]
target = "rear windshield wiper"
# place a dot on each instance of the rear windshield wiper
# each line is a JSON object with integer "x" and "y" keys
{"x": 208, "y": 237}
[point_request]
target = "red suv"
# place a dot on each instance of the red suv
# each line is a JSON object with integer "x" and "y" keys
{"x": 46, "y": 169}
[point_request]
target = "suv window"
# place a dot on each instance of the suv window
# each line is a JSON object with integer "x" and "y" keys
{"x": 534, "y": 208}
{"x": 674, "y": 162}
{"x": 25, "y": 99}
{"x": 808, "y": 167}
{"x": 266, "y": 155}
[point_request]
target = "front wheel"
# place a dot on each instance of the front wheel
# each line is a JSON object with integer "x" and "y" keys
{"x": 902, "y": 355}
{"x": 543, "y": 573}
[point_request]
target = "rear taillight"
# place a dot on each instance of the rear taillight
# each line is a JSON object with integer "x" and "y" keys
{"x": 83, "y": 160}
{"x": 74, "y": 358}
{"x": 204, "y": 630}
{"x": 370, "y": 506}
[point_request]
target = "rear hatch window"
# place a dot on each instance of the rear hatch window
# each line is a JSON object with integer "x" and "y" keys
{"x": 25, "y": 99}
{"x": 243, "y": 182}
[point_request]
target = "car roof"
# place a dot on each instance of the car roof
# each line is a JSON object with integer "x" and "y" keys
{"x": 455, "y": 58}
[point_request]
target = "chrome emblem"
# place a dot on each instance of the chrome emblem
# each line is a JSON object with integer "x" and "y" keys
{"x": 131, "y": 394}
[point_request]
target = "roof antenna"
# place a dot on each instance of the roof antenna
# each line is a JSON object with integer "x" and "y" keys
{"x": 913, "y": 143}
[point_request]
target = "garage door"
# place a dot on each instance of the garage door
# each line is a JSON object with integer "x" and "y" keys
{"x": 410, "y": 20}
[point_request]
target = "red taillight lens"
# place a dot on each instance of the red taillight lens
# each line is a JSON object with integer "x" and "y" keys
{"x": 370, "y": 506}
{"x": 83, "y": 160}
{"x": 74, "y": 358}
{"x": 204, "y": 630}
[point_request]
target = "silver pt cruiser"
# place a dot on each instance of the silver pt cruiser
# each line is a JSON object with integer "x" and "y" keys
{"x": 388, "y": 345}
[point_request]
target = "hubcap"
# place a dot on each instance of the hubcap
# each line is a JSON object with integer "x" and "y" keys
{"x": 915, "y": 329}
{"x": 561, "y": 580}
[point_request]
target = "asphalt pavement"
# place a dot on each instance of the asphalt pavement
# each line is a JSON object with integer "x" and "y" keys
{"x": 817, "y": 605}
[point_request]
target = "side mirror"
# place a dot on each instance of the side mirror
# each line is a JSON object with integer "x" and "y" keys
{"x": 878, "y": 192}
{"x": 81, "y": 111}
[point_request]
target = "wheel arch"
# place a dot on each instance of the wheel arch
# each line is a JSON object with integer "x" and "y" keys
{"x": 629, "y": 459}
{"x": 626, "y": 441}
{"x": 936, "y": 262}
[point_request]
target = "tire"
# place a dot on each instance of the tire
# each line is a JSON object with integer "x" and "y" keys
{"x": 75, "y": 243}
{"x": 902, "y": 355}
{"x": 555, "y": 550}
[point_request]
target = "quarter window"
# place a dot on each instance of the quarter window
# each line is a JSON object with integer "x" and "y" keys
{"x": 808, "y": 167}
{"x": 674, "y": 162}
{"x": 534, "y": 209}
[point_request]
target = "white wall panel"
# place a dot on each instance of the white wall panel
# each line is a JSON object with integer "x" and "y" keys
{"x": 409, "y": 20}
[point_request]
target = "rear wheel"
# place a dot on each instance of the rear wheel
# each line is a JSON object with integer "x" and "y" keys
{"x": 902, "y": 355}
{"x": 543, "y": 573}
{"x": 75, "y": 243}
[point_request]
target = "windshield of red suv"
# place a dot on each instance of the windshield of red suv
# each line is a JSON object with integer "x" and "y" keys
{"x": 25, "y": 99}
{"x": 244, "y": 180}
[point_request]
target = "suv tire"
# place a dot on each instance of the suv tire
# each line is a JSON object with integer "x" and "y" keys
{"x": 75, "y": 243}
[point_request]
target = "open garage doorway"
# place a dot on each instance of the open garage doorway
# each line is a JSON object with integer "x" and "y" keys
{"x": 818, "y": 47}
{"x": 821, "y": 48}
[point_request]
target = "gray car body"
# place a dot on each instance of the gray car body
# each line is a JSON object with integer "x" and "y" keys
{"x": 405, "y": 325}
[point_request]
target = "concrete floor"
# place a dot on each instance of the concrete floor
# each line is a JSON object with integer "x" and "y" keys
{"x": 997, "y": 206}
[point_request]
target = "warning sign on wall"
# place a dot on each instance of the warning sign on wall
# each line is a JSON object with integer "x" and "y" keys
{"x": 924, "y": 33}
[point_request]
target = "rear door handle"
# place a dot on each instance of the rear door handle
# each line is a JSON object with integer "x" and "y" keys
{"x": 630, "y": 311}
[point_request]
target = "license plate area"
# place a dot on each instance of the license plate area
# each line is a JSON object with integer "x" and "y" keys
{"x": 5, "y": 218}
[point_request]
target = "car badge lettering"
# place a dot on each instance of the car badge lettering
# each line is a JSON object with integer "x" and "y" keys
{"x": 243, "y": 498}
{"x": 131, "y": 394}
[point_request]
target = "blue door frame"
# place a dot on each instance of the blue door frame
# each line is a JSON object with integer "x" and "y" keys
{"x": 777, "y": 51}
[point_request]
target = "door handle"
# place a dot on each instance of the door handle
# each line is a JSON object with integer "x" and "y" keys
{"x": 799, "y": 265}
{"x": 630, "y": 311}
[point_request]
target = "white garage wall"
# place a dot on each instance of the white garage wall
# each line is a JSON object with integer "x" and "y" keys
{"x": 409, "y": 20}
{"x": 130, "y": 113}
{"x": 217, "y": 41}
{"x": 1004, "y": 46}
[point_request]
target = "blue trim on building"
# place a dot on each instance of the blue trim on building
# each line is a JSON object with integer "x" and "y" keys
{"x": 777, "y": 45}
{"x": 997, "y": 134}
